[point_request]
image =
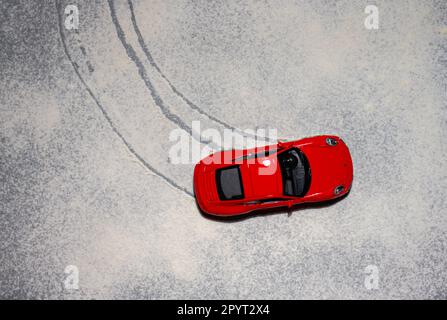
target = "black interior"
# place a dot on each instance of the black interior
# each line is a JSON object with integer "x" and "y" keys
{"x": 295, "y": 172}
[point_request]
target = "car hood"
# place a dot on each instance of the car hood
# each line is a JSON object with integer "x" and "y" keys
{"x": 330, "y": 166}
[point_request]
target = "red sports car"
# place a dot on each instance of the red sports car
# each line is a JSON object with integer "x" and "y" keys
{"x": 236, "y": 182}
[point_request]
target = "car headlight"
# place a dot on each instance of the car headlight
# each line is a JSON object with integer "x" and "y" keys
{"x": 331, "y": 142}
{"x": 339, "y": 190}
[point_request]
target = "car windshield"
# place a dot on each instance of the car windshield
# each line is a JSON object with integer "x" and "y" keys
{"x": 229, "y": 183}
{"x": 295, "y": 172}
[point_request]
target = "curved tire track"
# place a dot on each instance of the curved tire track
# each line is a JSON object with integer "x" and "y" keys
{"x": 143, "y": 75}
{"x": 188, "y": 102}
{"x": 104, "y": 112}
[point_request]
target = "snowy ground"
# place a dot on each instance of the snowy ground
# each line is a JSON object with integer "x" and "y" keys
{"x": 85, "y": 119}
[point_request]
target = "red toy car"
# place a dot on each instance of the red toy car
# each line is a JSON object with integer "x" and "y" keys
{"x": 236, "y": 182}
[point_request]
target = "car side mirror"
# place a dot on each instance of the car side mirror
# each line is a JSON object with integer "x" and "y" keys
{"x": 281, "y": 144}
{"x": 289, "y": 204}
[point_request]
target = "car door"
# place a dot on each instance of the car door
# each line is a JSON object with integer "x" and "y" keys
{"x": 267, "y": 203}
